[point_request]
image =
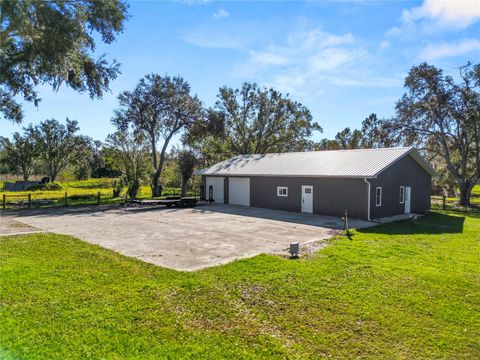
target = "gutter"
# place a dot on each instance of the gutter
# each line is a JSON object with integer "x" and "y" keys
{"x": 368, "y": 200}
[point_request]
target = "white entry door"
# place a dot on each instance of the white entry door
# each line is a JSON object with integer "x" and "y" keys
{"x": 307, "y": 199}
{"x": 239, "y": 191}
{"x": 408, "y": 199}
{"x": 217, "y": 184}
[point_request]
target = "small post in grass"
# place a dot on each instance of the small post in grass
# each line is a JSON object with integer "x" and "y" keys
{"x": 29, "y": 200}
{"x": 4, "y": 201}
{"x": 345, "y": 224}
{"x": 444, "y": 200}
{"x": 294, "y": 250}
{"x": 65, "y": 198}
{"x": 98, "y": 199}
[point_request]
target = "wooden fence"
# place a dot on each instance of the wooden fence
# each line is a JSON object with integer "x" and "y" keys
{"x": 30, "y": 200}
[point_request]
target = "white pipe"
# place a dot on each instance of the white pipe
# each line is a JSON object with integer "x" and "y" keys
{"x": 368, "y": 200}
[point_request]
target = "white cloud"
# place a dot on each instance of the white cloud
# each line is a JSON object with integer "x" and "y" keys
{"x": 307, "y": 62}
{"x": 332, "y": 58}
{"x": 219, "y": 39}
{"x": 195, "y": 2}
{"x": 456, "y": 13}
{"x": 435, "y": 16}
{"x": 384, "y": 45}
{"x": 268, "y": 58}
{"x": 439, "y": 51}
{"x": 221, "y": 14}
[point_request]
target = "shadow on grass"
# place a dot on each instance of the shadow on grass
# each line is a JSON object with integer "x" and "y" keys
{"x": 431, "y": 223}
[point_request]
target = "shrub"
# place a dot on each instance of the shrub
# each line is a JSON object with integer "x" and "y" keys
{"x": 47, "y": 186}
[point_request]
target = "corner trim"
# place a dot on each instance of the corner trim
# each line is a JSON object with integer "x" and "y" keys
{"x": 368, "y": 197}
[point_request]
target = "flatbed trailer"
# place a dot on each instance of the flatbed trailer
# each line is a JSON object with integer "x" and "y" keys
{"x": 171, "y": 201}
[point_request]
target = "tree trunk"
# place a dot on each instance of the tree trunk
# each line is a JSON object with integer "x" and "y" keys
{"x": 155, "y": 185}
{"x": 184, "y": 187}
{"x": 465, "y": 193}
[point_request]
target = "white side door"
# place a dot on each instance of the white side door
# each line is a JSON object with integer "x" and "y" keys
{"x": 408, "y": 197}
{"x": 307, "y": 199}
{"x": 217, "y": 185}
{"x": 239, "y": 191}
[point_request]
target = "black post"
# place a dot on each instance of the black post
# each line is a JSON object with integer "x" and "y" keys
{"x": 29, "y": 200}
{"x": 444, "y": 199}
{"x": 4, "y": 201}
{"x": 66, "y": 198}
{"x": 98, "y": 200}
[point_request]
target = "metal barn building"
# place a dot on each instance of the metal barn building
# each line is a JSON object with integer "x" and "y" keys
{"x": 368, "y": 183}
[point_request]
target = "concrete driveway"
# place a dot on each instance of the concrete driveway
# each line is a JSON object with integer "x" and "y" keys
{"x": 185, "y": 239}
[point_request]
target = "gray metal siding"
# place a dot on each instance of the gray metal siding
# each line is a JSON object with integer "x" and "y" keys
{"x": 330, "y": 196}
{"x": 404, "y": 172}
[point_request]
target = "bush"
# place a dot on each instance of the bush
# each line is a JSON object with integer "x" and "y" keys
{"x": 47, "y": 186}
{"x": 83, "y": 197}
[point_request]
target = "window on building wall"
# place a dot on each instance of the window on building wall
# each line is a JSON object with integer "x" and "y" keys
{"x": 402, "y": 194}
{"x": 282, "y": 191}
{"x": 378, "y": 196}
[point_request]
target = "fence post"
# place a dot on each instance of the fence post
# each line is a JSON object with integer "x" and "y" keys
{"x": 29, "y": 200}
{"x": 98, "y": 200}
{"x": 4, "y": 201}
{"x": 66, "y": 198}
{"x": 444, "y": 199}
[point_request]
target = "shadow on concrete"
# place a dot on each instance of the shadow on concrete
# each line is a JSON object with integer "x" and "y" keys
{"x": 280, "y": 215}
{"x": 61, "y": 210}
{"x": 431, "y": 223}
{"x": 323, "y": 221}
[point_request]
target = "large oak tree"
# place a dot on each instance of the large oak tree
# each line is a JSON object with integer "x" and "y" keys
{"x": 259, "y": 120}
{"x": 57, "y": 145}
{"x": 160, "y": 107}
{"x": 19, "y": 155}
{"x": 443, "y": 116}
{"x": 51, "y": 42}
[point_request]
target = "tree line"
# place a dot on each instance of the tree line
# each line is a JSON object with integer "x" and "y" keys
{"x": 52, "y": 42}
{"x": 438, "y": 115}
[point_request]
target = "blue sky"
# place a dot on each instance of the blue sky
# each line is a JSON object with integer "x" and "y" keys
{"x": 342, "y": 59}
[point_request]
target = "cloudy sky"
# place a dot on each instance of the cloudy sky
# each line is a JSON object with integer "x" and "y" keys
{"x": 342, "y": 59}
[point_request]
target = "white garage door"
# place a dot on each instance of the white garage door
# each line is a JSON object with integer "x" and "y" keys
{"x": 239, "y": 191}
{"x": 217, "y": 185}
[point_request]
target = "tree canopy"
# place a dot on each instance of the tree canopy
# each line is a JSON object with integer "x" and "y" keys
{"x": 51, "y": 42}
{"x": 374, "y": 133}
{"x": 130, "y": 151}
{"x": 259, "y": 120}
{"x": 442, "y": 116}
{"x": 57, "y": 145}
{"x": 19, "y": 155}
{"x": 159, "y": 107}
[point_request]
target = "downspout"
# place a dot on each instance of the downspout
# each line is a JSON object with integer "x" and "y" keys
{"x": 368, "y": 200}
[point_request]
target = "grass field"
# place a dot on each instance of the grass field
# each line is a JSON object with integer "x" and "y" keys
{"x": 397, "y": 291}
{"x": 81, "y": 192}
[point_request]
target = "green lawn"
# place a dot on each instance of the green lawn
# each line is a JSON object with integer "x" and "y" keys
{"x": 395, "y": 291}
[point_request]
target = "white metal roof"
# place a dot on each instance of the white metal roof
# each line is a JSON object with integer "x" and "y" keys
{"x": 329, "y": 163}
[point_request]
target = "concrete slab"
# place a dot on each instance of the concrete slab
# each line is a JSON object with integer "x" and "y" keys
{"x": 9, "y": 226}
{"x": 186, "y": 239}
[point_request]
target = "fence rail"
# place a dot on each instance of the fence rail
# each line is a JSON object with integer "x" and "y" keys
{"x": 31, "y": 200}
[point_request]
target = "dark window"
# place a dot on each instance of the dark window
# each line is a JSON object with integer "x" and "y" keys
{"x": 282, "y": 191}
{"x": 402, "y": 194}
